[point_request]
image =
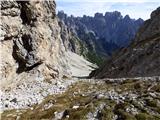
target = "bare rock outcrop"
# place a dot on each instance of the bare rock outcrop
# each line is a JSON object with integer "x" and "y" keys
{"x": 30, "y": 41}
{"x": 71, "y": 41}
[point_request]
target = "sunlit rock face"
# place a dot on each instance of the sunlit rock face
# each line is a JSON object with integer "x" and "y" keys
{"x": 141, "y": 58}
{"x": 30, "y": 41}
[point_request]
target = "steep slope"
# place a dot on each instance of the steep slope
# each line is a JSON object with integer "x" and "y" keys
{"x": 141, "y": 58}
{"x": 71, "y": 41}
{"x": 78, "y": 66}
{"x": 103, "y": 34}
{"x": 76, "y": 50}
{"x": 85, "y": 47}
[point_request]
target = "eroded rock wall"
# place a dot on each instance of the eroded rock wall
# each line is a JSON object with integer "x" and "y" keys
{"x": 30, "y": 41}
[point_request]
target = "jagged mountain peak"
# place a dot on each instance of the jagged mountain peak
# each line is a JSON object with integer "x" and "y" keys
{"x": 98, "y": 15}
{"x": 110, "y": 29}
{"x": 141, "y": 58}
{"x": 114, "y": 14}
{"x": 127, "y": 17}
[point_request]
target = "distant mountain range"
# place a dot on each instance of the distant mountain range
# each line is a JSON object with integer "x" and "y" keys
{"x": 102, "y": 34}
{"x": 141, "y": 58}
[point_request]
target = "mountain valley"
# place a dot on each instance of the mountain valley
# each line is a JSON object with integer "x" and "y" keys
{"x": 59, "y": 67}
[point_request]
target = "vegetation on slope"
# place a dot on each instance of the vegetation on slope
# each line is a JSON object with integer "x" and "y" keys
{"x": 131, "y": 99}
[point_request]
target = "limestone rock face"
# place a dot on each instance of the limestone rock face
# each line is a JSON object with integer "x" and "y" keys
{"x": 141, "y": 58}
{"x": 70, "y": 40}
{"x": 30, "y": 41}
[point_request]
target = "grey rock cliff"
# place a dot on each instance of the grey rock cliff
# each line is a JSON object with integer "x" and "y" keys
{"x": 30, "y": 41}
{"x": 70, "y": 40}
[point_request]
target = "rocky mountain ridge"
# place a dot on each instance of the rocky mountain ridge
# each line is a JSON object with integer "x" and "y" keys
{"x": 141, "y": 58}
{"x": 102, "y": 34}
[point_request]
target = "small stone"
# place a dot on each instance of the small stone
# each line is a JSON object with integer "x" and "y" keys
{"x": 75, "y": 107}
{"x": 58, "y": 115}
{"x": 18, "y": 117}
{"x": 99, "y": 96}
{"x": 152, "y": 94}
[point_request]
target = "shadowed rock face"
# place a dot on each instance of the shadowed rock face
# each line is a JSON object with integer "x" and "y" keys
{"x": 141, "y": 58}
{"x": 103, "y": 34}
{"x": 30, "y": 40}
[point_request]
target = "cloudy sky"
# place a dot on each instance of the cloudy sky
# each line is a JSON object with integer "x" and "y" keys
{"x": 134, "y": 8}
